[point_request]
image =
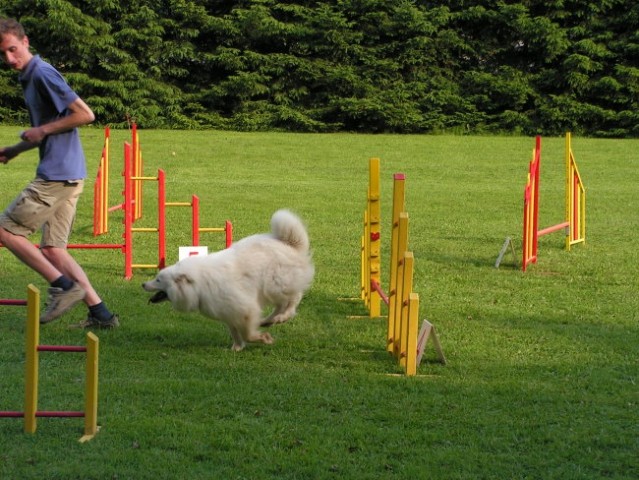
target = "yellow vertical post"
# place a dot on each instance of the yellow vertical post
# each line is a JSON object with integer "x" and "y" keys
{"x": 398, "y": 207}
{"x": 402, "y": 245}
{"x": 575, "y": 200}
{"x": 397, "y": 318}
{"x": 105, "y": 183}
{"x": 363, "y": 269}
{"x": 407, "y": 288}
{"x": 581, "y": 232}
{"x": 411, "y": 340}
{"x": 91, "y": 388}
{"x": 31, "y": 361}
{"x": 374, "y": 219}
{"x": 366, "y": 271}
{"x": 136, "y": 170}
{"x": 140, "y": 169}
{"x": 527, "y": 222}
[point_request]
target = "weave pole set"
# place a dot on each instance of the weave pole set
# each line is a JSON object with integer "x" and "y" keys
{"x": 33, "y": 348}
{"x": 574, "y": 224}
{"x": 402, "y": 303}
{"x": 403, "y": 340}
{"x": 132, "y": 205}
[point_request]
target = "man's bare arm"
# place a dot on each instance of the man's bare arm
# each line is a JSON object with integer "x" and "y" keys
{"x": 80, "y": 115}
{"x": 7, "y": 153}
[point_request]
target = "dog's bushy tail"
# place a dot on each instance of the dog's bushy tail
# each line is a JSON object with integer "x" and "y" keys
{"x": 288, "y": 228}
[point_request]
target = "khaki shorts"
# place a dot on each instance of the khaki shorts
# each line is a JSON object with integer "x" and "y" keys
{"x": 45, "y": 205}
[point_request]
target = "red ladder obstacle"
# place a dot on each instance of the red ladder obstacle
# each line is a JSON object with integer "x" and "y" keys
{"x": 132, "y": 206}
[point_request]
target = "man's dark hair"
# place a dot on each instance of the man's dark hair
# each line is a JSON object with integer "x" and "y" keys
{"x": 12, "y": 27}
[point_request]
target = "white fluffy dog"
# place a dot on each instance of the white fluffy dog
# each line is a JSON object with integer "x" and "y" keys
{"x": 236, "y": 285}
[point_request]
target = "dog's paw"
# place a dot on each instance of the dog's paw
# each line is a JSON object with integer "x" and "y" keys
{"x": 237, "y": 347}
{"x": 283, "y": 317}
{"x": 266, "y": 338}
{"x": 279, "y": 319}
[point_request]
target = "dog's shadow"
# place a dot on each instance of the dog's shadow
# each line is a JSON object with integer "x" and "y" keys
{"x": 175, "y": 330}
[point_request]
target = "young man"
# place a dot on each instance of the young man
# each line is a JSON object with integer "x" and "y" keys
{"x": 48, "y": 203}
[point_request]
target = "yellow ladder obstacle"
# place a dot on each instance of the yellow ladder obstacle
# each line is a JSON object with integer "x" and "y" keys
{"x": 33, "y": 347}
{"x": 403, "y": 340}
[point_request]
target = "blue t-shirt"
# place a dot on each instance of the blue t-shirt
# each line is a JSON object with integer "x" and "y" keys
{"x": 48, "y": 96}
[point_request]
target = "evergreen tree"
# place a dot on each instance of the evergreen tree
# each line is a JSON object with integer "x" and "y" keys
{"x": 355, "y": 65}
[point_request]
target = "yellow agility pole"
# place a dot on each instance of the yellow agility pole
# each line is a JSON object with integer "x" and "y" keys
{"x": 374, "y": 220}
{"x": 398, "y": 208}
{"x": 372, "y": 241}
{"x": 136, "y": 169}
{"x": 364, "y": 261}
{"x": 411, "y": 334}
{"x": 408, "y": 263}
{"x": 101, "y": 190}
{"x": 366, "y": 283}
{"x": 104, "y": 183}
{"x": 575, "y": 200}
{"x": 31, "y": 362}
{"x": 133, "y": 164}
{"x": 395, "y": 320}
{"x": 91, "y": 389}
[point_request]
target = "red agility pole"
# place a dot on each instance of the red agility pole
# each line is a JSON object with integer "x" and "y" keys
{"x": 13, "y": 302}
{"x": 129, "y": 216}
{"x": 375, "y": 286}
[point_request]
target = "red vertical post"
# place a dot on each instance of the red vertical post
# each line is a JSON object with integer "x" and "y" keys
{"x": 128, "y": 214}
{"x": 228, "y": 229}
{"x": 195, "y": 221}
{"x": 524, "y": 245}
{"x": 161, "y": 219}
{"x": 536, "y": 175}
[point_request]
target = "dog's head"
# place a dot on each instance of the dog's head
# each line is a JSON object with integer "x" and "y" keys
{"x": 159, "y": 285}
{"x": 176, "y": 286}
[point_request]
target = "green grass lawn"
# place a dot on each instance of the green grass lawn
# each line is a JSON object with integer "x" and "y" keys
{"x": 541, "y": 379}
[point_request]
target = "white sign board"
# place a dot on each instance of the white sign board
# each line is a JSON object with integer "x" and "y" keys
{"x": 192, "y": 252}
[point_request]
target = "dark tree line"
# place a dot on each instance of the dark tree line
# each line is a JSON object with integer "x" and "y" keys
{"x": 348, "y": 65}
